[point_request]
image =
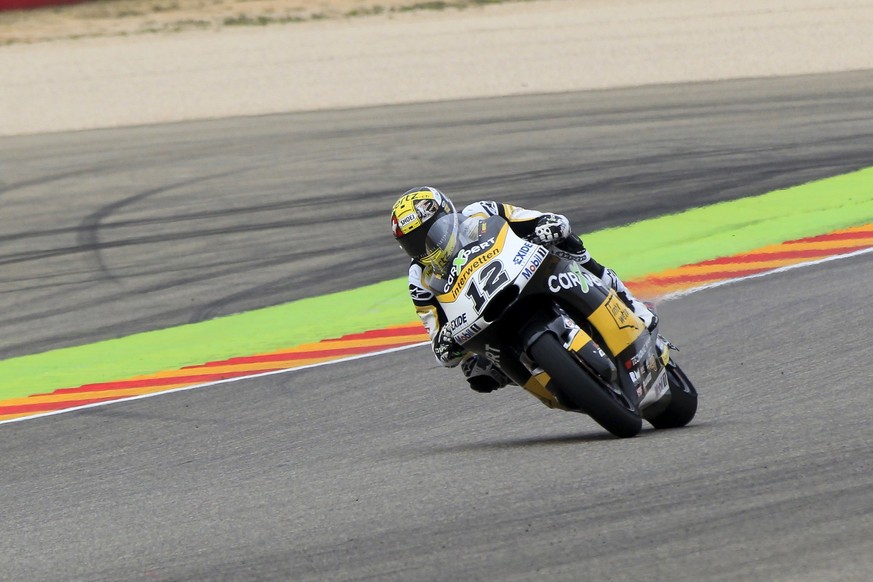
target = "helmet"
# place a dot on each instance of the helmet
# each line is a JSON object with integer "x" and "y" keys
{"x": 413, "y": 215}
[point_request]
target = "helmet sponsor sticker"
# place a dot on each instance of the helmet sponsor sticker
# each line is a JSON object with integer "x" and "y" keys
{"x": 426, "y": 208}
{"x": 404, "y": 222}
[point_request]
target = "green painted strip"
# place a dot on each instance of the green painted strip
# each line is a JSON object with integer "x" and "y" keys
{"x": 260, "y": 331}
{"x": 729, "y": 228}
{"x": 638, "y": 249}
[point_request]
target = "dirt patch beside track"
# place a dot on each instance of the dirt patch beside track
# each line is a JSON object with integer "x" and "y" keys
{"x": 93, "y": 66}
{"x": 130, "y": 17}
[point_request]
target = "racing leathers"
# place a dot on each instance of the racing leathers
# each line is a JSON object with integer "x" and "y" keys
{"x": 542, "y": 228}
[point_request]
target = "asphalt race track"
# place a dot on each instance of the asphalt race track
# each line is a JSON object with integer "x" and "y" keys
{"x": 389, "y": 468}
{"x": 107, "y": 233}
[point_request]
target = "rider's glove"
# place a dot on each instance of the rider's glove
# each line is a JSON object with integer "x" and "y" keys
{"x": 550, "y": 229}
{"x": 446, "y": 349}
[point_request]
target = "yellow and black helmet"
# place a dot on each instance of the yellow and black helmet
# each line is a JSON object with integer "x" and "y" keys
{"x": 413, "y": 214}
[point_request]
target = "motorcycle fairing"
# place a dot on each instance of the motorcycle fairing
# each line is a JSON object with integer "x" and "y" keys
{"x": 617, "y": 324}
{"x": 537, "y": 386}
{"x": 552, "y": 319}
{"x": 481, "y": 271}
{"x": 500, "y": 277}
{"x": 469, "y": 260}
{"x": 615, "y": 327}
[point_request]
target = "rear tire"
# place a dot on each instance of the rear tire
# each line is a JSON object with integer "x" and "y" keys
{"x": 576, "y": 389}
{"x": 683, "y": 400}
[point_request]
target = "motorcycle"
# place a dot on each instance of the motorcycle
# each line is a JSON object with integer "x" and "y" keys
{"x": 554, "y": 328}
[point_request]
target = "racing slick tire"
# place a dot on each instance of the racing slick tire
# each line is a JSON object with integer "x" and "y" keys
{"x": 577, "y": 390}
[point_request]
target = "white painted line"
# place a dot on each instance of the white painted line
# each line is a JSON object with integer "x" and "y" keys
{"x": 215, "y": 383}
{"x": 678, "y": 294}
{"x": 669, "y": 297}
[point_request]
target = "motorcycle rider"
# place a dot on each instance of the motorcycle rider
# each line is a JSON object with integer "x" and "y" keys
{"x": 411, "y": 217}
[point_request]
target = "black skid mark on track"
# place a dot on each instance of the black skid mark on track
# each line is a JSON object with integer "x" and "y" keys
{"x": 44, "y": 180}
{"x": 284, "y": 289}
{"x": 88, "y": 231}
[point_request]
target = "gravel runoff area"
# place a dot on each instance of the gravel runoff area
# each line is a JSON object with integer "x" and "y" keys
{"x": 58, "y": 76}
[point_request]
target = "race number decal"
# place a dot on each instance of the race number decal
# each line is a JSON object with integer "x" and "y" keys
{"x": 488, "y": 282}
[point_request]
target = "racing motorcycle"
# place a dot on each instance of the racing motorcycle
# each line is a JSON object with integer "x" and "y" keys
{"x": 554, "y": 328}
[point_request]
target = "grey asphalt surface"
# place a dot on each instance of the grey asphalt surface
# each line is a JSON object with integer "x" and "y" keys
{"x": 107, "y": 233}
{"x": 389, "y": 468}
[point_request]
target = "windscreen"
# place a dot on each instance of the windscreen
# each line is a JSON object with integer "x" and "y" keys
{"x": 446, "y": 237}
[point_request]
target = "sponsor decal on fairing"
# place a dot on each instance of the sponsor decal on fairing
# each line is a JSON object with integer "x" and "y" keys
{"x": 534, "y": 263}
{"x": 471, "y": 268}
{"x": 458, "y": 322}
{"x": 462, "y": 257}
{"x": 662, "y": 384}
{"x": 467, "y": 334}
{"x": 619, "y": 312}
{"x": 493, "y": 354}
{"x": 518, "y": 259}
{"x": 566, "y": 281}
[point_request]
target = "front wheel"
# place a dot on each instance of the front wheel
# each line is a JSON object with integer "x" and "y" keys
{"x": 577, "y": 390}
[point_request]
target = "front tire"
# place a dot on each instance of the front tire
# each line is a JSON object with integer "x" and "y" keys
{"x": 577, "y": 390}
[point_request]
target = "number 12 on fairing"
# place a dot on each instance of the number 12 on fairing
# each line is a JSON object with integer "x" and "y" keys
{"x": 491, "y": 278}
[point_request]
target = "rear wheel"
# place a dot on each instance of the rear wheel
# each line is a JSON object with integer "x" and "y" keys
{"x": 576, "y": 389}
{"x": 683, "y": 400}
